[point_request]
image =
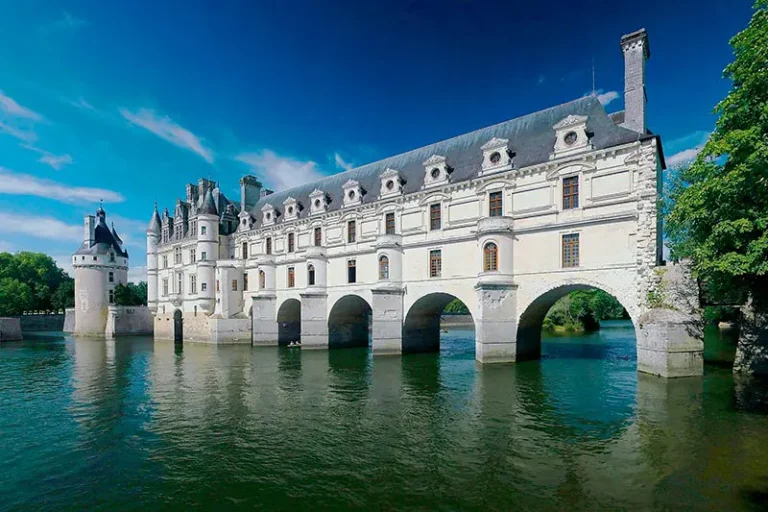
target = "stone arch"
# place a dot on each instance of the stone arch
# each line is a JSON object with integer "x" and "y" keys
{"x": 533, "y": 311}
{"x": 289, "y": 322}
{"x": 421, "y": 328}
{"x": 349, "y": 322}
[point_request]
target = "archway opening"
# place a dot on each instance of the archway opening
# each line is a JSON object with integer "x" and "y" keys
{"x": 573, "y": 312}
{"x": 438, "y": 321}
{"x": 178, "y": 326}
{"x": 349, "y": 323}
{"x": 289, "y": 322}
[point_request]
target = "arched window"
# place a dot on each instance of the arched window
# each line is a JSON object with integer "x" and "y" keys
{"x": 311, "y": 274}
{"x": 262, "y": 280}
{"x": 490, "y": 257}
{"x": 383, "y": 268}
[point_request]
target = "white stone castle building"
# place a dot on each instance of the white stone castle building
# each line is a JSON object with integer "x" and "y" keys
{"x": 507, "y": 219}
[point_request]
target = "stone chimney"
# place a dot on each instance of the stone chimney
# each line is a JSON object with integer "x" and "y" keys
{"x": 250, "y": 191}
{"x": 88, "y": 234}
{"x": 636, "y": 52}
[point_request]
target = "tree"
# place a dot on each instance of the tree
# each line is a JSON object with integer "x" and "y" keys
{"x": 718, "y": 206}
{"x": 583, "y": 310}
{"x": 42, "y": 278}
{"x": 15, "y": 297}
{"x": 456, "y": 307}
{"x": 131, "y": 294}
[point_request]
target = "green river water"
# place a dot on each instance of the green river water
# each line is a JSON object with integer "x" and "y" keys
{"x": 135, "y": 424}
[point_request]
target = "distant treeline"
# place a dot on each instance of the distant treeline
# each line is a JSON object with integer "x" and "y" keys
{"x": 583, "y": 311}
{"x": 31, "y": 281}
{"x": 131, "y": 294}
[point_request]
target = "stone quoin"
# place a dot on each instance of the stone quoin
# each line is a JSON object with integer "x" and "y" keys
{"x": 508, "y": 219}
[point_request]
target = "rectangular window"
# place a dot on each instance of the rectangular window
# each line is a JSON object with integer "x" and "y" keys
{"x": 202, "y": 230}
{"x": 351, "y": 271}
{"x": 290, "y": 242}
{"x": 177, "y": 256}
{"x": 494, "y": 204}
{"x": 165, "y": 261}
{"x": 318, "y": 237}
{"x": 389, "y": 223}
{"x": 203, "y": 286}
{"x": 218, "y": 287}
{"x": 192, "y": 256}
{"x": 245, "y": 282}
{"x": 291, "y": 277}
{"x": 165, "y": 287}
{"x": 111, "y": 296}
{"x": 111, "y": 277}
{"x": 435, "y": 263}
{"x": 570, "y": 193}
{"x": 193, "y": 284}
{"x": 434, "y": 216}
{"x": 245, "y": 250}
{"x": 268, "y": 248}
{"x": 351, "y": 232}
{"x": 571, "y": 250}
{"x": 234, "y": 285}
{"x": 203, "y": 256}
{"x": 178, "y": 283}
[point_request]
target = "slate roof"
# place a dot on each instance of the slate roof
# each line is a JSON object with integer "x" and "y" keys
{"x": 531, "y": 137}
{"x": 103, "y": 240}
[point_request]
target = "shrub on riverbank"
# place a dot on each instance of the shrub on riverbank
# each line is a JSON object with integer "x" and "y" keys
{"x": 582, "y": 311}
{"x": 31, "y": 281}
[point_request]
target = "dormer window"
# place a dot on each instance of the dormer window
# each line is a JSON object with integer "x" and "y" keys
{"x": 391, "y": 183}
{"x": 268, "y": 211}
{"x": 318, "y": 202}
{"x": 571, "y": 136}
{"x": 245, "y": 221}
{"x": 496, "y": 156}
{"x": 353, "y": 193}
{"x": 436, "y": 171}
{"x": 291, "y": 209}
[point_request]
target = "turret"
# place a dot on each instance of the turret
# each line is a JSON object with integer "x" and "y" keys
{"x": 153, "y": 239}
{"x": 207, "y": 250}
{"x": 100, "y": 264}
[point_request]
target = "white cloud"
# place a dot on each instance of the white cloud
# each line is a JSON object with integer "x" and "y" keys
{"x": 12, "y": 108}
{"x": 39, "y": 227}
{"x": 48, "y": 158}
{"x": 165, "y": 128}
{"x": 24, "y": 184}
{"x": 340, "y": 163}
{"x": 281, "y": 172}
{"x": 684, "y": 157}
{"x": 136, "y": 274}
{"x": 81, "y": 103}
{"x": 132, "y": 231}
{"x": 607, "y": 97}
{"x": 23, "y": 134}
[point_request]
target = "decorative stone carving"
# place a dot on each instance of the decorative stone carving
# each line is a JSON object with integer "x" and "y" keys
{"x": 436, "y": 171}
{"x": 353, "y": 193}
{"x": 496, "y": 156}
{"x": 571, "y": 136}
{"x": 268, "y": 215}
{"x": 391, "y": 183}
{"x": 318, "y": 202}
{"x": 291, "y": 209}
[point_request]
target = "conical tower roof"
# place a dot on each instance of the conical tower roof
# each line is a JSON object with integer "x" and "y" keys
{"x": 154, "y": 222}
{"x": 209, "y": 206}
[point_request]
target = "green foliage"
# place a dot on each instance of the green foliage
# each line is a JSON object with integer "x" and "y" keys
{"x": 715, "y": 314}
{"x": 46, "y": 286}
{"x": 582, "y": 310}
{"x": 456, "y": 307}
{"x": 15, "y": 297}
{"x": 131, "y": 294}
{"x": 717, "y": 208}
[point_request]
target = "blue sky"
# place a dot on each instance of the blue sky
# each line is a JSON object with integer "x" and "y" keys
{"x": 129, "y": 101}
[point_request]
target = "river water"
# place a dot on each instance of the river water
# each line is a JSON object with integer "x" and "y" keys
{"x": 136, "y": 424}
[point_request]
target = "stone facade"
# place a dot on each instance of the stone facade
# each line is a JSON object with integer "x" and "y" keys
{"x": 507, "y": 219}
{"x": 10, "y": 329}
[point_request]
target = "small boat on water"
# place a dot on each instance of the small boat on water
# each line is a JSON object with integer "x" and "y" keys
{"x": 294, "y": 344}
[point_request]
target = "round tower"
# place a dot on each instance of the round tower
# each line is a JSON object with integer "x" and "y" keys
{"x": 153, "y": 239}
{"x": 100, "y": 265}
{"x": 207, "y": 251}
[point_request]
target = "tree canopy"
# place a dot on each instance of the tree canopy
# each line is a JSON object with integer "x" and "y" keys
{"x": 33, "y": 281}
{"x": 131, "y": 294}
{"x": 583, "y": 310}
{"x": 717, "y": 214}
